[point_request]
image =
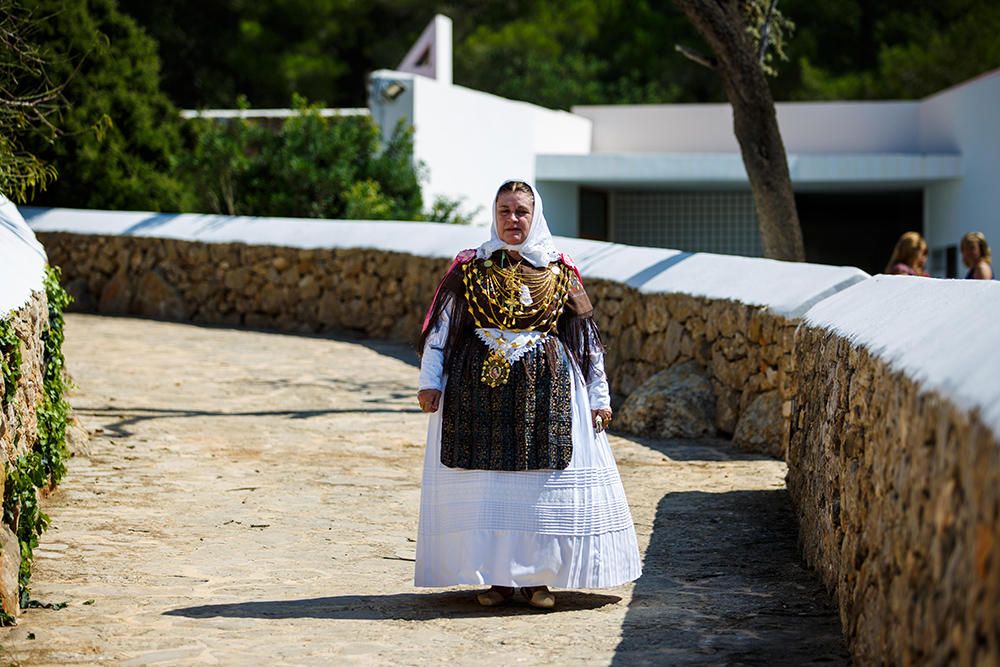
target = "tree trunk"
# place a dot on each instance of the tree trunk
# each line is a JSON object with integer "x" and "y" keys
{"x": 721, "y": 24}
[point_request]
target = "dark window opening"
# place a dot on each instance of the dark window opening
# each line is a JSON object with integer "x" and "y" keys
{"x": 593, "y": 214}
{"x": 951, "y": 262}
{"x": 857, "y": 229}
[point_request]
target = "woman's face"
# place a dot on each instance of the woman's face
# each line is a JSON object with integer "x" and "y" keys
{"x": 514, "y": 211}
{"x": 922, "y": 258}
{"x": 970, "y": 253}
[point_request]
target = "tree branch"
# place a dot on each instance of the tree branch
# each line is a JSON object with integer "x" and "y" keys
{"x": 696, "y": 56}
{"x": 765, "y": 32}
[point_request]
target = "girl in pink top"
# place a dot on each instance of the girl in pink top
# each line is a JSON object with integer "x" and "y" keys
{"x": 909, "y": 257}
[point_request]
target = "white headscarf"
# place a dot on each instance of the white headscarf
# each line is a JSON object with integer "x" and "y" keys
{"x": 537, "y": 249}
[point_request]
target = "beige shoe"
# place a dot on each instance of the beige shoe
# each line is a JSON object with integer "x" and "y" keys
{"x": 539, "y": 596}
{"x": 497, "y": 595}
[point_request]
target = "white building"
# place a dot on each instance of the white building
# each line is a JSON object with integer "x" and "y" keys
{"x": 672, "y": 176}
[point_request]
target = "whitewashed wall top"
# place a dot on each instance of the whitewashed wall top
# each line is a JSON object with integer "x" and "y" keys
{"x": 785, "y": 287}
{"x": 22, "y": 259}
{"x": 943, "y": 334}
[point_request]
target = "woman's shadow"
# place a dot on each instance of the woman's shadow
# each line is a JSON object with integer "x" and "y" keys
{"x": 397, "y": 606}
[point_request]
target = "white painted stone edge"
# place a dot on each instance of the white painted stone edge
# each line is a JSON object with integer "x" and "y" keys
{"x": 786, "y": 288}
{"x": 942, "y": 334}
{"x": 22, "y": 260}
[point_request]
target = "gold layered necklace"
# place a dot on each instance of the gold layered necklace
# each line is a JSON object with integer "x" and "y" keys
{"x": 503, "y": 297}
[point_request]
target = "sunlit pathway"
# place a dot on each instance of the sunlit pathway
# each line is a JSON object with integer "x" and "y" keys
{"x": 251, "y": 498}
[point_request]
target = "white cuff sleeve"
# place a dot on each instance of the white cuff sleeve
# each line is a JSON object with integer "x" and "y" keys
{"x": 597, "y": 383}
{"x": 432, "y": 360}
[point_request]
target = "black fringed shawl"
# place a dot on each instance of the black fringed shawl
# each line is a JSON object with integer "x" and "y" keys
{"x": 576, "y": 327}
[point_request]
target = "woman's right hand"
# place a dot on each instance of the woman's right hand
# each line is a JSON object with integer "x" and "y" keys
{"x": 429, "y": 399}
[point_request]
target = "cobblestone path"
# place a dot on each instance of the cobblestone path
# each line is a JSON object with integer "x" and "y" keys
{"x": 251, "y": 498}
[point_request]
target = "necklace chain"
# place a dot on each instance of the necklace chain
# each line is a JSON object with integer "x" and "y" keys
{"x": 507, "y": 298}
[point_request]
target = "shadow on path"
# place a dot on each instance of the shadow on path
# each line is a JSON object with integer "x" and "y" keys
{"x": 397, "y": 606}
{"x": 723, "y": 583}
{"x": 131, "y": 416}
{"x": 706, "y": 449}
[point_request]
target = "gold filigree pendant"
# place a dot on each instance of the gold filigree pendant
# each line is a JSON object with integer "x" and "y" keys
{"x": 496, "y": 370}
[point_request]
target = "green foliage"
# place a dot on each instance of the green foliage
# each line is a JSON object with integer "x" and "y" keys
{"x": 364, "y": 201}
{"x": 889, "y": 50}
{"x": 120, "y": 135}
{"x": 28, "y": 101}
{"x": 311, "y": 166}
{"x": 561, "y": 53}
{"x": 22, "y": 511}
{"x": 10, "y": 360}
{"x": 54, "y": 411}
{"x": 558, "y": 54}
{"x": 450, "y": 211}
{"x": 761, "y": 14}
{"x": 215, "y": 50}
{"x": 45, "y": 465}
{"x": 101, "y": 118}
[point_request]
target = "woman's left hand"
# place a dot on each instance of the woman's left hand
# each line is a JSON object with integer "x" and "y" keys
{"x": 601, "y": 419}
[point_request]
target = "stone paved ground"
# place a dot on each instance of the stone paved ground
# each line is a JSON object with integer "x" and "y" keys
{"x": 251, "y": 498}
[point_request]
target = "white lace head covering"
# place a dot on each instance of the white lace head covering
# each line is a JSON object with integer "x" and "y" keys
{"x": 538, "y": 249}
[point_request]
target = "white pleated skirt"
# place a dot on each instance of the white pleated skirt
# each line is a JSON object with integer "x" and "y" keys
{"x": 567, "y": 528}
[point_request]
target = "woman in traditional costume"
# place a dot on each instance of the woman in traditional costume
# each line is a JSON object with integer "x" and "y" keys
{"x": 520, "y": 488}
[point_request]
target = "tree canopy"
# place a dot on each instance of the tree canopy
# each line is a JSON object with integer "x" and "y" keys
{"x": 107, "y": 76}
{"x": 29, "y": 103}
{"x": 119, "y": 132}
{"x": 556, "y": 53}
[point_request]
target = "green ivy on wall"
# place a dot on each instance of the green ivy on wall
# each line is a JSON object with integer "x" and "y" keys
{"x": 45, "y": 465}
{"x": 54, "y": 412}
{"x": 10, "y": 360}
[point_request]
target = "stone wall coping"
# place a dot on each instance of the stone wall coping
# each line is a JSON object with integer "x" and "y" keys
{"x": 22, "y": 259}
{"x": 943, "y": 334}
{"x": 787, "y": 288}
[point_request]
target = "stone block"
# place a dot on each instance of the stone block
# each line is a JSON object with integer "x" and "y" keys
{"x": 761, "y": 426}
{"x": 732, "y": 348}
{"x": 654, "y": 349}
{"x": 116, "y": 295}
{"x": 237, "y": 279}
{"x": 630, "y": 345}
{"x": 155, "y": 297}
{"x": 655, "y": 316}
{"x": 682, "y": 307}
{"x": 733, "y": 374}
{"x": 271, "y": 299}
{"x": 10, "y": 564}
{"x": 675, "y": 403}
{"x": 308, "y": 288}
{"x": 83, "y": 297}
{"x": 727, "y": 408}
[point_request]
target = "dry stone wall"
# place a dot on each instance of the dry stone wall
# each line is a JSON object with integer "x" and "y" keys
{"x": 18, "y": 418}
{"x": 745, "y": 349}
{"x": 19, "y": 427}
{"x": 897, "y": 495}
{"x": 375, "y": 293}
{"x": 896, "y": 486}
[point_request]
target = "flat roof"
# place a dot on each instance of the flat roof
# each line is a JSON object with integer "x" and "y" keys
{"x": 268, "y": 113}
{"x": 726, "y": 169}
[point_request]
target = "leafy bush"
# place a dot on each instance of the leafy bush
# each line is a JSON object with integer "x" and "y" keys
{"x": 450, "y": 211}
{"x": 311, "y": 166}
